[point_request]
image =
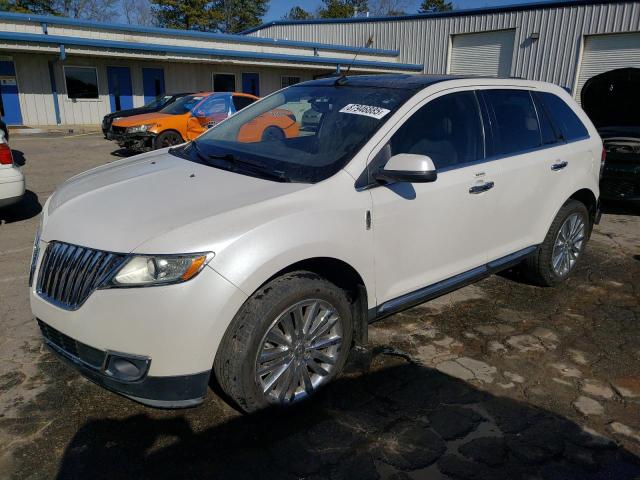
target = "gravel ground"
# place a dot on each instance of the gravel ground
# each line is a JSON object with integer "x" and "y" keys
{"x": 497, "y": 380}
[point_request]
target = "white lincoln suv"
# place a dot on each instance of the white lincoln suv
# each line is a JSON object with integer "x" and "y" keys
{"x": 259, "y": 262}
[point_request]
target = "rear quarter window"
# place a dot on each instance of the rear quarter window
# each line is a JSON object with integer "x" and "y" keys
{"x": 569, "y": 126}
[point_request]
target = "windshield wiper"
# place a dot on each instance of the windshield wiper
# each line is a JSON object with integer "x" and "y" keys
{"x": 245, "y": 165}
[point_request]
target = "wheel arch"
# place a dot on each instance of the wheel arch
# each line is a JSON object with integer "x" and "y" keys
{"x": 346, "y": 277}
{"x": 588, "y": 198}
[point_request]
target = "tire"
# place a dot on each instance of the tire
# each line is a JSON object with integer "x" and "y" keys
{"x": 261, "y": 320}
{"x": 272, "y": 134}
{"x": 168, "y": 139}
{"x": 539, "y": 268}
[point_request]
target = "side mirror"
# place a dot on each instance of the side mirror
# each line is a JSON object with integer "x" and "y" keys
{"x": 408, "y": 167}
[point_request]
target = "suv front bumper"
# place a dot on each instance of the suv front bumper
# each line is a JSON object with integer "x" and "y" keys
{"x": 176, "y": 391}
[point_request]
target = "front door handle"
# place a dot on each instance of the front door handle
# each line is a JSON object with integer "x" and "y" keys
{"x": 481, "y": 188}
{"x": 559, "y": 165}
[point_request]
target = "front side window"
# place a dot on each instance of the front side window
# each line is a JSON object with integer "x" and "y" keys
{"x": 182, "y": 105}
{"x": 214, "y": 105}
{"x": 304, "y": 133}
{"x": 565, "y": 119}
{"x": 447, "y": 129}
{"x": 514, "y": 121}
{"x": 82, "y": 82}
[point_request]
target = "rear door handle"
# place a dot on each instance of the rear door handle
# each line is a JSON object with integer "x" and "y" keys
{"x": 559, "y": 165}
{"x": 481, "y": 188}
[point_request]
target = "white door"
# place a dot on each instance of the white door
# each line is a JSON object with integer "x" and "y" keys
{"x": 428, "y": 232}
{"x": 602, "y": 53}
{"x": 487, "y": 53}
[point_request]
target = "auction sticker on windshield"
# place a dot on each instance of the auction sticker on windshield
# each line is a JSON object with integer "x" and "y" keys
{"x": 366, "y": 110}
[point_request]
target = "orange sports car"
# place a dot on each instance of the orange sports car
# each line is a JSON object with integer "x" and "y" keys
{"x": 180, "y": 121}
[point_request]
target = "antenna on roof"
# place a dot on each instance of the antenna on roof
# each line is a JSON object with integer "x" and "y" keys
{"x": 340, "y": 80}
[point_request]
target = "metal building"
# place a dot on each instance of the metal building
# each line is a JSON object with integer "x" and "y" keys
{"x": 566, "y": 42}
{"x": 56, "y": 70}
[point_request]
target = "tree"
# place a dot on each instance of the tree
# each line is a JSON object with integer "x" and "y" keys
{"x": 183, "y": 14}
{"x": 342, "y": 8}
{"x": 297, "y": 13}
{"x": 431, "y": 6}
{"x": 234, "y": 16}
{"x": 138, "y": 12}
{"x": 85, "y": 9}
{"x": 390, "y": 7}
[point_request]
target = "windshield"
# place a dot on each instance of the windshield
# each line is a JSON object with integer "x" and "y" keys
{"x": 158, "y": 101}
{"x": 182, "y": 105}
{"x": 302, "y": 133}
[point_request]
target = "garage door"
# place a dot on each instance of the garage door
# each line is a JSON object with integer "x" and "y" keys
{"x": 603, "y": 53}
{"x": 486, "y": 54}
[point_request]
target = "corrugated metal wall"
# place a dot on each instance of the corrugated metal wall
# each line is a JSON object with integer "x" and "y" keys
{"x": 552, "y": 58}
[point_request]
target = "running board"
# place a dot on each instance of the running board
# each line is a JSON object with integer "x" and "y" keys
{"x": 443, "y": 287}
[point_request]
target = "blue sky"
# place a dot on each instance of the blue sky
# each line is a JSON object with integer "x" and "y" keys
{"x": 279, "y": 8}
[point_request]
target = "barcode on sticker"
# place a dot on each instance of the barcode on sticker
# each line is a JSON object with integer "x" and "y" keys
{"x": 366, "y": 110}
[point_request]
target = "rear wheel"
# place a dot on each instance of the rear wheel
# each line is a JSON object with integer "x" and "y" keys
{"x": 563, "y": 246}
{"x": 289, "y": 339}
{"x": 168, "y": 139}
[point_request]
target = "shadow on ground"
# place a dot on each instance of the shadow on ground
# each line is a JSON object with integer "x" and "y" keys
{"x": 401, "y": 418}
{"x": 124, "y": 153}
{"x": 28, "y": 207}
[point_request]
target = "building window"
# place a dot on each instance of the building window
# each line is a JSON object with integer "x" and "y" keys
{"x": 224, "y": 82}
{"x": 287, "y": 81}
{"x": 82, "y": 82}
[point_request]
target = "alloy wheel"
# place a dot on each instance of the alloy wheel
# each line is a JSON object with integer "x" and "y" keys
{"x": 568, "y": 245}
{"x": 299, "y": 352}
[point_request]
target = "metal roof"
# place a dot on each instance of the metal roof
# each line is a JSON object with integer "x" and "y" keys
{"x": 149, "y": 47}
{"x": 54, "y": 20}
{"x": 450, "y": 13}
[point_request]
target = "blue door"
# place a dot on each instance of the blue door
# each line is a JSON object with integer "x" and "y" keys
{"x": 152, "y": 83}
{"x": 251, "y": 83}
{"x": 9, "y": 101}
{"x": 120, "y": 91}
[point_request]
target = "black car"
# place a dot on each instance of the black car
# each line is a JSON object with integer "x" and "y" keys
{"x": 158, "y": 104}
{"x": 612, "y": 101}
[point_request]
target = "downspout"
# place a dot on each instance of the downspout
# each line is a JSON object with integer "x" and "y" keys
{"x": 54, "y": 89}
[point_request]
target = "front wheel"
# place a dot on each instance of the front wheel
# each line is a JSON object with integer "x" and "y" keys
{"x": 168, "y": 139}
{"x": 288, "y": 340}
{"x": 563, "y": 246}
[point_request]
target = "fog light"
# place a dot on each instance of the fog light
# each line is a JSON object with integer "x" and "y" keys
{"x": 127, "y": 368}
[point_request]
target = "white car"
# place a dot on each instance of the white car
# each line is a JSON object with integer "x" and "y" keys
{"x": 262, "y": 263}
{"x": 11, "y": 178}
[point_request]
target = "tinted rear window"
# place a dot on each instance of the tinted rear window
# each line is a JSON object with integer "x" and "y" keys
{"x": 515, "y": 122}
{"x": 241, "y": 102}
{"x": 565, "y": 120}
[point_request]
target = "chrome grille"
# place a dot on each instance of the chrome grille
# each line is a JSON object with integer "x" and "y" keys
{"x": 70, "y": 273}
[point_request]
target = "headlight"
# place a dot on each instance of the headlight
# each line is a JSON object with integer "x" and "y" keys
{"x": 36, "y": 251}
{"x": 140, "y": 128}
{"x": 147, "y": 270}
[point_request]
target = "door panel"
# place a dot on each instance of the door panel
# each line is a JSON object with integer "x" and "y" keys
{"x": 9, "y": 99}
{"x": 152, "y": 83}
{"x": 428, "y": 232}
{"x": 120, "y": 91}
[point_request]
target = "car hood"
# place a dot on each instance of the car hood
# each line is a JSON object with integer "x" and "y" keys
{"x": 141, "y": 119}
{"x": 120, "y": 206}
{"x": 131, "y": 112}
